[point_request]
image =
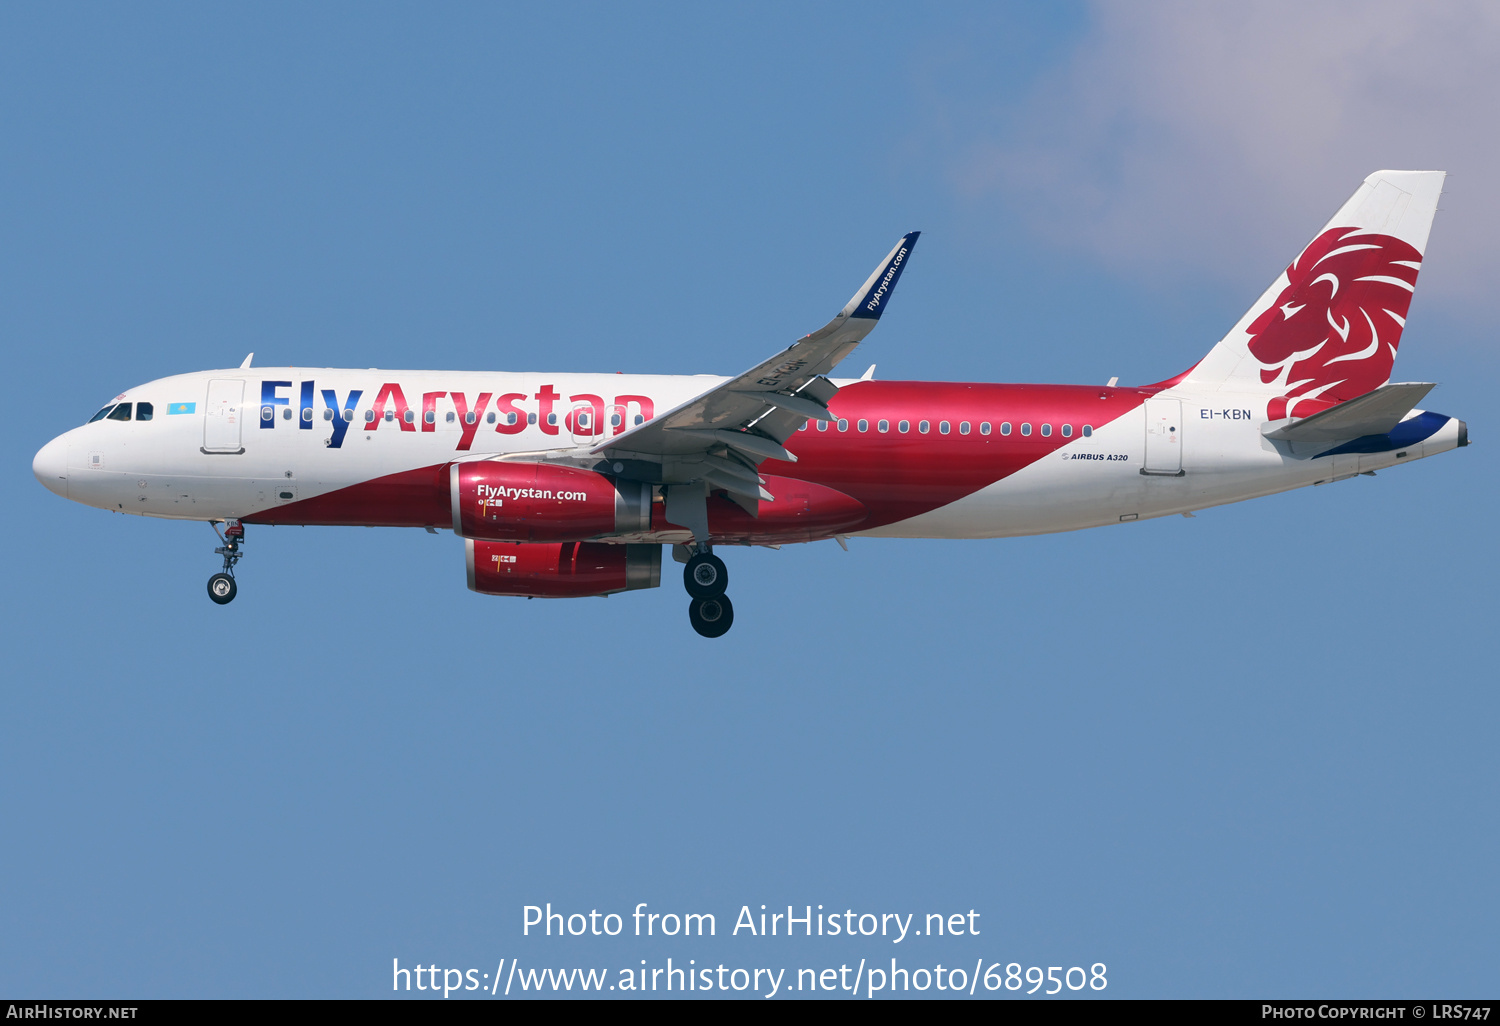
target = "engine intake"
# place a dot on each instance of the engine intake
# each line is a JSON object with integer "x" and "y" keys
{"x": 536, "y": 502}
{"x": 563, "y": 570}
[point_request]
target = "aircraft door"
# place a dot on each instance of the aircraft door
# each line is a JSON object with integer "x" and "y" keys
{"x": 223, "y": 416}
{"x": 1163, "y": 437}
{"x": 586, "y": 424}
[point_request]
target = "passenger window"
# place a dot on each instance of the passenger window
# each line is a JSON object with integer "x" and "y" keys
{"x": 843, "y": 424}
{"x": 614, "y": 420}
{"x": 449, "y": 417}
{"x": 102, "y": 413}
{"x": 1026, "y": 429}
{"x": 984, "y": 427}
{"x": 640, "y": 418}
{"x": 963, "y": 428}
{"x": 121, "y": 412}
{"x": 409, "y": 417}
{"x": 430, "y": 417}
{"x": 802, "y": 426}
{"x": 143, "y": 411}
{"x": 822, "y": 425}
{"x": 531, "y": 418}
{"x": 551, "y": 419}
{"x": 1005, "y": 427}
{"x": 944, "y": 427}
{"x": 1088, "y": 431}
{"x": 924, "y": 426}
{"x": 1067, "y": 430}
{"x": 390, "y": 415}
{"x": 883, "y": 426}
{"x": 268, "y": 413}
{"x": 307, "y": 414}
{"x": 904, "y": 426}
{"x": 348, "y": 416}
{"x": 286, "y": 413}
{"x": 327, "y": 414}
{"x": 470, "y": 418}
{"x": 1046, "y": 430}
{"x": 369, "y": 416}
{"x": 863, "y": 425}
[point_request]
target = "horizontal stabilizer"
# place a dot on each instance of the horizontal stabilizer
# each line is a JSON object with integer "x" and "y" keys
{"x": 1374, "y": 413}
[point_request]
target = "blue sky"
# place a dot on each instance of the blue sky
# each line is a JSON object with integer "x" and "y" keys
{"x": 1240, "y": 755}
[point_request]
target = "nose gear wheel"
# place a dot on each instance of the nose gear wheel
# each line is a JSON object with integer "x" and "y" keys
{"x": 221, "y": 588}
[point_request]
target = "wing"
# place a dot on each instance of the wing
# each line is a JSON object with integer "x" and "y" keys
{"x": 721, "y": 436}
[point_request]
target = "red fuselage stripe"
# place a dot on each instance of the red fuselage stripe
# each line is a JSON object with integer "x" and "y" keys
{"x": 896, "y": 475}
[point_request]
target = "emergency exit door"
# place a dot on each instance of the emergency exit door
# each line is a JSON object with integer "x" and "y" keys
{"x": 1163, "y": 437}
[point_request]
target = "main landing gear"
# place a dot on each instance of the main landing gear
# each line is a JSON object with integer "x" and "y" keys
{"x": 705, "y": 577}
{"x": 221, "y": 586}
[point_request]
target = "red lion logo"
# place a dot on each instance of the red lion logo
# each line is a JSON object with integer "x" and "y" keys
{"x": 1332, "y": 333}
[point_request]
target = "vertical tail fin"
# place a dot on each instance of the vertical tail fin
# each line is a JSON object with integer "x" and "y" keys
{"x": 1327, "y": 329}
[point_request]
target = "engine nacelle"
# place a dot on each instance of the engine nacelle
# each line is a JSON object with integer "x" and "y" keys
{"x": 536, "y": 502}
{"x": 561, "y": 570}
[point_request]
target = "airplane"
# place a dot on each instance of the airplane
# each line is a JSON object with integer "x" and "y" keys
{"x": 570, "y": 485}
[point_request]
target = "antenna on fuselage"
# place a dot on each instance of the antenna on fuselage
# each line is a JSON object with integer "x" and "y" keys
{"x": 246, "y": 364}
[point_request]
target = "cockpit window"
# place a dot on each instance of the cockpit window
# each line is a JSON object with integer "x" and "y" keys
{"x": 143, "y": 411}
{"x": 121, "y": 412}
{"x": 102, "y": 413}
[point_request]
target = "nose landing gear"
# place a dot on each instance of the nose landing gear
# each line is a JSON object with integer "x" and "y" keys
{"x": 221, "y": 586}
{"x": 705, "y": 577}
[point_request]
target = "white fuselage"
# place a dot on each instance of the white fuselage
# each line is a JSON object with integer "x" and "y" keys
{"x": 220, "y": 460}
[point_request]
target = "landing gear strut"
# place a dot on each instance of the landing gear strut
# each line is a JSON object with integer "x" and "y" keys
{"x": 221, "y": 586}
{"x": 705, "y": 577}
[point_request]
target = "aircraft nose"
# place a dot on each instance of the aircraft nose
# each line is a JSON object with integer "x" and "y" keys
{"x": 51, "y": 466}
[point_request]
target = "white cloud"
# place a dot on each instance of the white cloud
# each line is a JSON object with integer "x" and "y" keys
{"x": 1216, "y": 138}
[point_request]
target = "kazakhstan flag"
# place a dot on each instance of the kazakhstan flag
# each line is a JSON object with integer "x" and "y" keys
{"x": 181, "y": 408}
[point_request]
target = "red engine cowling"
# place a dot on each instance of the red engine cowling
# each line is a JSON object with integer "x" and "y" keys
{"x": 535, "y": 502}
{"x": 563, "y": 570}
